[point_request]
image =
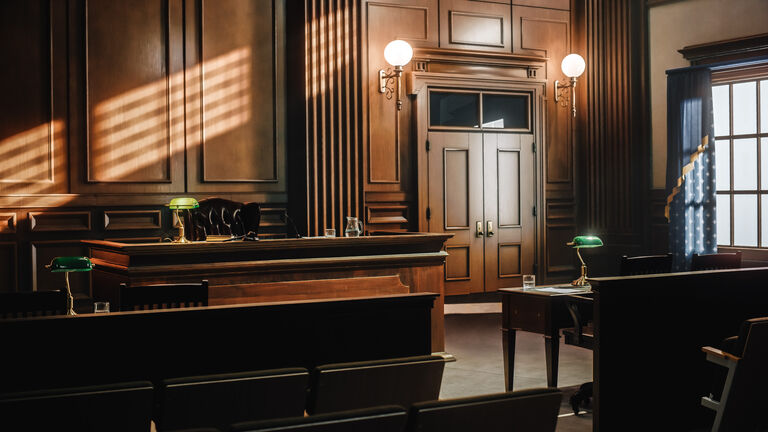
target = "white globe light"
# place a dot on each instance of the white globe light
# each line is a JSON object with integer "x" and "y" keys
{"x": 573, "y": 65}
{"x": 398, "y": 53}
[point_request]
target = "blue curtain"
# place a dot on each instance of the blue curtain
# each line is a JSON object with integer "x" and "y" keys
{"x": 690, "y": 165}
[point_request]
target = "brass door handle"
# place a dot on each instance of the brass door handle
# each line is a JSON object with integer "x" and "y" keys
{"x": 490, "y": 229}
{"x": 479, "y": 229}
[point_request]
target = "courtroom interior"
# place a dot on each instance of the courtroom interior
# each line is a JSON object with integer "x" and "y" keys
{"x": 387, "y": 215}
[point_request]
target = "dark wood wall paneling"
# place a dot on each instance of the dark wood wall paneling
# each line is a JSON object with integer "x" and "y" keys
{"x": 112, "y": 108}
{"x": 325, "y": 113}
{"x": 614, "y": 166}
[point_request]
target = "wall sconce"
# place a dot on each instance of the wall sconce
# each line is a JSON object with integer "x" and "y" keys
{"x": 573, "y": 66}
{"x": 397, "y": 53}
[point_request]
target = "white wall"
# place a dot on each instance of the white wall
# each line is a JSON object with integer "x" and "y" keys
{"x": 676, "y": 25}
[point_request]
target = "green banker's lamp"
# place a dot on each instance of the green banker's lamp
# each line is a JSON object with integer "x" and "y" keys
{"x": 584, "y": 242}
{"x": 182, "y": 204}
{"x": 67, "y": 265}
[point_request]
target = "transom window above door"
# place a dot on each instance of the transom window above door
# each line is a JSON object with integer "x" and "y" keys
{"x": 462, "y": 110}
{"x": 740, "y": 107}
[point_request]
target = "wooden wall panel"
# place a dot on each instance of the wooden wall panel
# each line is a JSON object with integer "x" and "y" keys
{"x": 60, "y": 221}
{"x": 235, "y": 96}
{"x": 132, "y": 219}
{"x": 328, "y": 183}
{"x": 416, "y": 22}
{"x": 615, "y": 131}
{"x": 132, "y": 115}
{"x": 475, "y": 25}
{"x": 8, "y": 266}
{"x": 33, "y": 146}
{"x": 7, "y": 223}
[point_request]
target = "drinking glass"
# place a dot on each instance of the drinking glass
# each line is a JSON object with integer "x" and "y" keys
{"x": 330, "y": 232}
{"x": 100, "y": 307}
{"x": 529, "y": 282}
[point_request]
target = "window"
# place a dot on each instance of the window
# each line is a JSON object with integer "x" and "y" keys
{"x": 467, "y": 109}
{"x": 741, "y": 150}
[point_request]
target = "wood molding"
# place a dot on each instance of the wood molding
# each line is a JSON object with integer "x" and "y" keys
{"x": 729, "y": 49}
{"x": 7, "y": 223}
{"x": 60, "y": 221}
{"x": 132, "y": 219}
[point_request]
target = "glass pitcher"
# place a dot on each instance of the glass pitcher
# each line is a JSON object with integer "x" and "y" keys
{"x": 354, "y": 227}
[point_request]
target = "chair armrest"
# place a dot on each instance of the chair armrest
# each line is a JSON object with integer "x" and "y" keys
{"x": 719, "y": 353}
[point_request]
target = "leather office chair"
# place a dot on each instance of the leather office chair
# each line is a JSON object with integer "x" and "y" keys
{"x": 378, "y": 419}
{"x": 163, "y": 296}
{"x": 219, "y": 216}
{"x": 400, "y": 381}
{"x": 114, "y": 407}
{"x": 220, "y": 400}
{"x": 533, "y": 410}
{"x": 740, "y": 406}
{"x": 716, "y": 261}
{"x": 32, "y": 303}
{"x": 648, "y": 264}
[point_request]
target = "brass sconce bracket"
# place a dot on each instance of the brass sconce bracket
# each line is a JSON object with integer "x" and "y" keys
{"x": 389, "y": 79}
{"x": 562, "y": 96}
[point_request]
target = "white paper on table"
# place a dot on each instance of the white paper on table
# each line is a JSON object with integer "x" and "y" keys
{"x": 561, "y": 290}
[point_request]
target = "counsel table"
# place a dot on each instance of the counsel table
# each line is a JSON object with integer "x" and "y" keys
{"x": 539, "y": 310}
{"x": 282, "y": 269}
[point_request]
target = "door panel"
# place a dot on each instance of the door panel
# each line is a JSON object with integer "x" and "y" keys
{"x": 456, "y": 204}
{"x": 509, "y": 198}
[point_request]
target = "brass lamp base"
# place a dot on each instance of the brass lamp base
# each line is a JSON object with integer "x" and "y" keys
{"x": 70, "y": 299}
{"x": 581, "y": 280}
{"x": 182, "y": 238}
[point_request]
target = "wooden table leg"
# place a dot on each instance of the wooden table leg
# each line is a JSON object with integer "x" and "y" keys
{"x": 508, "y": 337}
{"x": 552, "y": 349}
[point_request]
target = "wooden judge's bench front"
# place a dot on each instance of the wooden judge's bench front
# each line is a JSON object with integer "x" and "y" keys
{"x": 282, "y": 269}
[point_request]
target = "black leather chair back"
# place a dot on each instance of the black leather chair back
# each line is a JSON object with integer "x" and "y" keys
{"x": 32, "y": 303}
{"x": 716, "y": 261}
{"x": 399, "y": 381}
{"x": 378, "y": 419}
{"x": 532, "y": 410}
{"x": 164, "y": 296}
{"x": 220, "y": 400}
{"x": 648, "y": 264}
{"x": 115, "y": 407}
{"x": 219, "y": 216}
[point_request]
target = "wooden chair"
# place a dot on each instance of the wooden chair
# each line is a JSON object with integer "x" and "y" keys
{"x": 378, "y": 419}
{"x": 115, "y": 407}
{"x": 163, "y": 296}
{"x": 533, "y": 410}
{"x": 400, "y": 381}
{"x": 648, "y": 264}
{"x": 220, "y": 400}
{"x": 32, "y": 303}
{"x": 740, "y": 407}
{"x": 716, "y": 261}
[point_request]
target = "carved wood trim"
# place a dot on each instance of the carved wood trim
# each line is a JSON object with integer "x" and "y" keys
{"x": 60, "y": 221}
{"x": 132, "y": 219}
{"x": 729, "y": 49}
{"x": 452, "y": 22}
{"x": 7, "y": 223}
{"x": 373, "y": 210}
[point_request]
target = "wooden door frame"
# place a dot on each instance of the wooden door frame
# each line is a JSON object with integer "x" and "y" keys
{"x": 418, "y": 85}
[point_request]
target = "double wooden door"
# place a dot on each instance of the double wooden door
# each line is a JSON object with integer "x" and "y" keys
{"x": 481, "y": 188}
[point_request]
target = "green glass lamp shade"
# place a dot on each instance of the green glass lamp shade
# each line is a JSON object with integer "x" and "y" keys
{"x": 183, "y": 203}
{"x": 586, "y": 242}
{"x": 70, "y": 264}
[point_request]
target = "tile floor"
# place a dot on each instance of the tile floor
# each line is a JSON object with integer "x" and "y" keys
{"x": 475, "y": 340}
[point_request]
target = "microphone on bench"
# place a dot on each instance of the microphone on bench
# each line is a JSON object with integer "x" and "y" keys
{"x": 287, "y": 219}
